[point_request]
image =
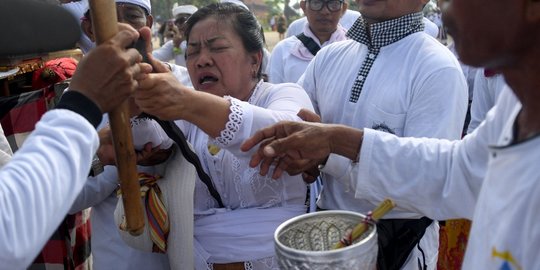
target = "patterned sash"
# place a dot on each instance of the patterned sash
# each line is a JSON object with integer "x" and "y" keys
{"x": 156, "y": 212}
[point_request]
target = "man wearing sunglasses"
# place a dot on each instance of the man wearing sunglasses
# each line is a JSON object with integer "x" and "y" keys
{"x": 175, "y": 48}
{"x": 347, "y": 21}
{"x": 291, "y": 56}
{"x": 389, "y": 76}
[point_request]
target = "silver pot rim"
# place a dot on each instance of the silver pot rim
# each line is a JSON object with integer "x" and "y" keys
{"x": 291, "y": 221}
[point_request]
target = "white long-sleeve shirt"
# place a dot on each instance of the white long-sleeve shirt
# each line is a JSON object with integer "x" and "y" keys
{"x": 424, "y": 94}
{"x": 483, "y": 177}
{"x": 5, "y": 149}
{"x": 486, "y": 91}
{"x": 40, "y": 182}
{"x": 415, "y": 87}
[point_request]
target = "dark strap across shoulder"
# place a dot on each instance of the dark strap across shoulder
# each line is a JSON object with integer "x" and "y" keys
{"x": 310, "y": 44}
{"x": 172, "y": 130}
{"x": 397, "y": 238}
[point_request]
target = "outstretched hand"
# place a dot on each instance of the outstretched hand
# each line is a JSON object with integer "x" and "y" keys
{"x": 297, "y": 147}
{"x": 294, "y": 147}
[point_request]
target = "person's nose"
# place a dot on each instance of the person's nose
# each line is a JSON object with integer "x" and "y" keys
{"x": 204, "y": 58}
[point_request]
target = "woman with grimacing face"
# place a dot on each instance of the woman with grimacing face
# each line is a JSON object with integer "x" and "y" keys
{"x": 230, "y": 102}
{"x": 219, "y": 61}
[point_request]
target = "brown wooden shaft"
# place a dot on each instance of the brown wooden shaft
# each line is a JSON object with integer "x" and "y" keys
{"x": 104, "y": 22}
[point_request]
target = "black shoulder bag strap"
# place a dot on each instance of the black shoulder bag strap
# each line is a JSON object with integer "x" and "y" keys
{"x": 179, "y": 138}
{"x": 310, "y": 44}
{"x": 397, "y": 238}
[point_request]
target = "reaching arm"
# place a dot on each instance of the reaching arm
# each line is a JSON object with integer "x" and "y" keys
{"x": 40, "y": 183}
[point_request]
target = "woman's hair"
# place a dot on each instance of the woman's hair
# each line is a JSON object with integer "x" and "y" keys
{"x": 242, "y": 20}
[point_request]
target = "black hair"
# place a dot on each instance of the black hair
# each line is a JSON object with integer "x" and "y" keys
{"x": 242, "y": 20}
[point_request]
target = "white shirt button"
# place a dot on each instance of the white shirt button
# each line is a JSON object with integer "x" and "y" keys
{"x": 360, "y": 78}
{"x": 371, "y": 56}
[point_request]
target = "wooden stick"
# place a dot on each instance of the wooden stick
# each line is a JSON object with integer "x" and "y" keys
{"x": 105, "y": 24}
{"x": 362, "y": 227}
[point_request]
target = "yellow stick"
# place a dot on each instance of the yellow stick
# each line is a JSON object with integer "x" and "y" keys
{"x": 359, "y": 229}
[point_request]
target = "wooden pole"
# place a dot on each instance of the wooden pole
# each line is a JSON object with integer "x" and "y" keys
{"x": 104, "y": 22}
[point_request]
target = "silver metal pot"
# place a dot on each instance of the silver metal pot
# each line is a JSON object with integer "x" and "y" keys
{"x": 306, "y": 241}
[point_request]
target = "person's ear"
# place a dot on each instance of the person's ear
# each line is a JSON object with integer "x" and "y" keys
{"x": 256, "y": 60}
{"x": 149, "y": 21}
{"x": 303, "y": 6}
{"x": 532, "y": 12}
{"x": 86, "y": 26}
{"x": 344, "y": 7}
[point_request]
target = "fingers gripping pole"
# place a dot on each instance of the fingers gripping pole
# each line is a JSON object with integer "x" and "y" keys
{"x": 104, "y": 22}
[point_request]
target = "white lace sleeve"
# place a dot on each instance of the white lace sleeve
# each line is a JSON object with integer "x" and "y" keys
{"x": 236, "y": 117}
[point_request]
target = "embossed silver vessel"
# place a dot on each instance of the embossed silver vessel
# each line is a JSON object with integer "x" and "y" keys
{"x": 306, "y": 241}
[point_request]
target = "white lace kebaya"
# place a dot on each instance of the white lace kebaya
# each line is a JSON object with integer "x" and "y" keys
{"x": 254, "y": 205}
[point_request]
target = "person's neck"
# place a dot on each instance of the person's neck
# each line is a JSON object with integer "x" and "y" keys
{"x": 524, "y": 79}
{"x": 369, "y": 21}
{"x": 253, "y": 85}
{"x": 322, "y": 36}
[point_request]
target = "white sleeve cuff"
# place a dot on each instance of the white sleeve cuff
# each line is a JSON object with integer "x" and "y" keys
{"x": 339, "y": 167}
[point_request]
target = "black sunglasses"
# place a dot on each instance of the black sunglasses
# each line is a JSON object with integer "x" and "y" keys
{"x": 332, "y": 5}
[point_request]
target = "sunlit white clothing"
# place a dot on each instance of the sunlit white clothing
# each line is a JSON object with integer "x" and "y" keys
{"x": 41, "y": 181}
{"x": 77, "y": 9}
{"x": 484, "y": 177}
{"x": 430, "y": 28}
{"x": 486, "y": 91}
{"x": 290, "y": 57}
{"x": 255, "y": 205}
{"x": 5, "y": 149}
{"x": 415, "y": 87}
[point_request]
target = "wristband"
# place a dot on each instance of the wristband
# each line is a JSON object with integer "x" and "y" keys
{"x": 96, "y": 167}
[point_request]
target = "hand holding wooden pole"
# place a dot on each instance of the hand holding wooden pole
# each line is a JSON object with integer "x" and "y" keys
{"x": 359, "y": 229}
{"x": 104, "y": 22}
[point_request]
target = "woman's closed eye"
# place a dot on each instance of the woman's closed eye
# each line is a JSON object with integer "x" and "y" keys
{"x": 218, "y": 48}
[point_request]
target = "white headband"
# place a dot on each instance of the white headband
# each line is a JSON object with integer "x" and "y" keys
{"x": 146, "y": 130}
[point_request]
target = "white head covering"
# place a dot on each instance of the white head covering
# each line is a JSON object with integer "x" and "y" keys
{"x": 238, "y": 2}
{"x": 184, "y": 9}
{"x": 146, "y": 130}
{"x": 143, "y": 3}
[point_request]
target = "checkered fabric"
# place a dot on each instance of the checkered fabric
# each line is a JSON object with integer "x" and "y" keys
{"x": 380, "y": 35}
{"x": 69, "y": 246}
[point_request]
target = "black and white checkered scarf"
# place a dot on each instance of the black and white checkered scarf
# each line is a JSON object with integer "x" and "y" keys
{"x": 379, "y": 35}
